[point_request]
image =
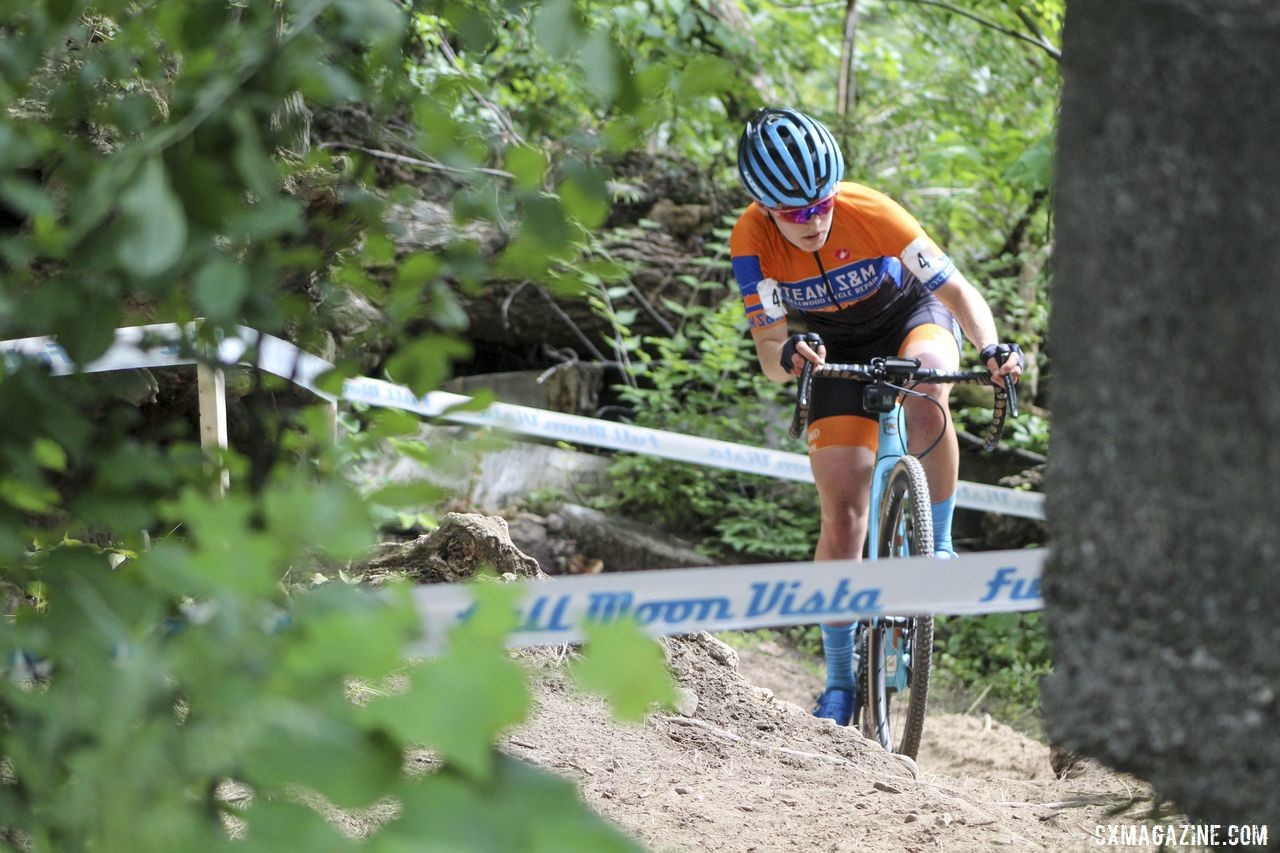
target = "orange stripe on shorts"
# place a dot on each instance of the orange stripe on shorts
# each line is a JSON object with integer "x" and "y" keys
{"x": 928, "y": 333}
{"x": 844, "y": 431}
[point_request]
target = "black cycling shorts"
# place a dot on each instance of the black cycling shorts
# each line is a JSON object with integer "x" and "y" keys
{"x": 832, "y": 397}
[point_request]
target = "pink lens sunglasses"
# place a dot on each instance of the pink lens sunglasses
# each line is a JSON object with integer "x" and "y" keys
{"x": 801, "y": 215}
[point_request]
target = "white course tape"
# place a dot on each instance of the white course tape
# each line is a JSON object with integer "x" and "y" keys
{"x": 164, "y": 349}
{"x": 581, "y": 430}
{"x": 681, "y": 601}
{"x": 667, "y": 602}
{"x": 286, "y": 360}
{"x": 126, "y": 352}
{"x": 651, "y": 442}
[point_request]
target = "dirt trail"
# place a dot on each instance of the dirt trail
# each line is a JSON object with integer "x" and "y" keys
{"x": 748, "y": 769}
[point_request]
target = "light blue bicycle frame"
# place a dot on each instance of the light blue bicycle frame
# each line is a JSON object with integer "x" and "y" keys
{"x": 892, "y": 447}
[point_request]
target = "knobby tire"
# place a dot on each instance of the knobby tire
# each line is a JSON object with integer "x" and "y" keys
{"x": 906, "y": 529}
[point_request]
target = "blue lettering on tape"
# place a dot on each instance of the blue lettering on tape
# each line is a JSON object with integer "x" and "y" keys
{"x": 754, "y": 458}
{"x": 784, "y": 598}
{"x": 633, "y": 438}
{"x": 571, "y": 429}
{"x": 609, "y": 606}
{"x": 1018, "y": 589}
{"x": 547, "y": 614}
{"x": 678, "y": 611}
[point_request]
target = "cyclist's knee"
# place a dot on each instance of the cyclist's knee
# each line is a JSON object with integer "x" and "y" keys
{"x": 928, "y": 415}
{"x": 844, "y": 512}
{"x": 934, "y": 356}
{"x": 841, "y": 536}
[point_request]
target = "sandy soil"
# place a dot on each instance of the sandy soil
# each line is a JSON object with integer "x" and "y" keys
{"x": 744, "y": 767}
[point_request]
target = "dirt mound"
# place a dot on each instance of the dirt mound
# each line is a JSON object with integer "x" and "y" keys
{"x": 743, "y": 768}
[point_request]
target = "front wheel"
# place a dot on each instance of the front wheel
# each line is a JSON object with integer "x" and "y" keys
{"x": 897, "y": 653}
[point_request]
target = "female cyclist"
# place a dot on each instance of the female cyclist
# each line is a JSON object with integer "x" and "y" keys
{"x": 862, "y": 274}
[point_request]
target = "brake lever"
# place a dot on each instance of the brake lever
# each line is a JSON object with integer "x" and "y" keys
{"x": 1010, "y": 387}
{"x": 802, "y": 401}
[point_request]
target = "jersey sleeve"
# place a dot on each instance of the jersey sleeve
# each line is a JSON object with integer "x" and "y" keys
{"x": 899, "y": 235}
{"x": 760, "y": 294}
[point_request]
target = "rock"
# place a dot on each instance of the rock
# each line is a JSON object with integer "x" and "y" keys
{"x": 625, "y": 545}
{"x": 509, "y": 475}
{"x": 720, "y": 651}
{"x": 463, "y": 544}
{"x": 686, "y": 703}
{"x": 1063, "y": 761}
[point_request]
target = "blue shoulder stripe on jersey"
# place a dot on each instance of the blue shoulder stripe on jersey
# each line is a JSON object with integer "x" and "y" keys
{"x": 746, "y": 269}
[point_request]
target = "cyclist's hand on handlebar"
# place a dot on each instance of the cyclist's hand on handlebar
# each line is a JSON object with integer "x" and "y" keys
{"x": 801, "y": 348}
{"x": 1003, "y": 360}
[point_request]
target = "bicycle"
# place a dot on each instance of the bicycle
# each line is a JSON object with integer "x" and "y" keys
{"x": 896, "y": 652}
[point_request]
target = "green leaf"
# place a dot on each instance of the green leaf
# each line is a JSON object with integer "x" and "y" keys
{"x": 704, "y": 75}
{"x": 556, "y": 23}
{"x": 49, "y": 454}
{"x": 153, "y": 221}
{"x": 343, "y": 631}
{"x": 299, "y": 744}
{"x": 219, "y": 289}
{"x": 26, "y": 196}
{"x": 27, "y": 496}
{"x": 1034, "y": 167}
{"x": 423, "y": 363}
{"x": 585, "y": 196}
{"x": 528, "y": 164}
{"x": 481, "y": 399}
{"x": 371, "y": 22}
{"x": 274, "y": 825}
{"x": 419, "y": 494}
{"x": 521, "y": 808}
{"x": 602, "y": 68}
{"x": 486, "y": 691}
{"x": 546, "y": 222}
{"x": 329, "y": 517}
{"x": 626, "y": 667}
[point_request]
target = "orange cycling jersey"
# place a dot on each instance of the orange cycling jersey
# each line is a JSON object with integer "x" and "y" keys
{"x": 876, "y": 265}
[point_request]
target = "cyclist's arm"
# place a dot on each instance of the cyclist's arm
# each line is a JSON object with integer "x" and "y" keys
{"x": 974, "y": 316}
{"x": 769, "y": 341}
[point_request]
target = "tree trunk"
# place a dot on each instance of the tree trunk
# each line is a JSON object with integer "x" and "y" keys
{"x": 847, "y": 89}
{"x": 1163, "y": 590}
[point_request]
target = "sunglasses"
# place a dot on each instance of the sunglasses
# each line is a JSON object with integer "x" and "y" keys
{"x": 801, "y": 215}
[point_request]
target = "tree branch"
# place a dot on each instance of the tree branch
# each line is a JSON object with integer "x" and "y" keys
{"x": 1040, "y": 42}
{"x": 413, "y": 161}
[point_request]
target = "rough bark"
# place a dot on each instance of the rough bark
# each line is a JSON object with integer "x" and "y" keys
{"x": 1163, "y": 588}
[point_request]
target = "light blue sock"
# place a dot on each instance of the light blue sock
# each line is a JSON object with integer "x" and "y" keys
{"x": 942, "y": 512}
{"x": 837, "y": 648}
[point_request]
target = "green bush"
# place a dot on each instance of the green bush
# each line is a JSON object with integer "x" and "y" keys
{"x": 998, "y": 659}
{"x": 706, "y": 381}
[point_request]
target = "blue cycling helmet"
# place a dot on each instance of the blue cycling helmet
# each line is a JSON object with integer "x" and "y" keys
{"x": 788, "y": 159}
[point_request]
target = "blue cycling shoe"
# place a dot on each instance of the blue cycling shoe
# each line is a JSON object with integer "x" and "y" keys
{"x": 944, "y": 554}
{"x": 835, "y": 703}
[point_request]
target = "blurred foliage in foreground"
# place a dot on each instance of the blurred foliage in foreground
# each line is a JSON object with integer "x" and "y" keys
{"x": 168, "y": 680}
